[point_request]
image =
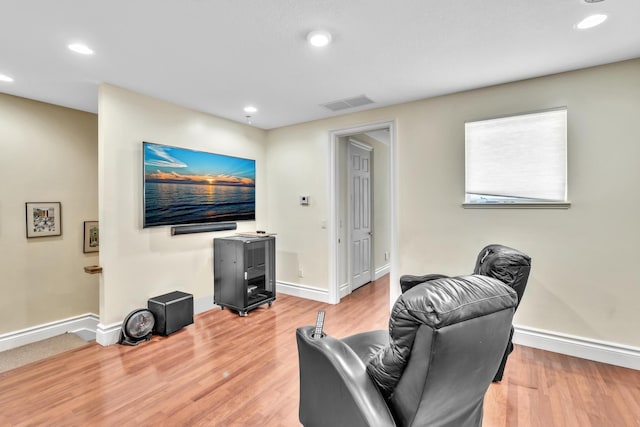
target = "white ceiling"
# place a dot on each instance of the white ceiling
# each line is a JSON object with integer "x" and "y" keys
{"x": 217, "y": 56}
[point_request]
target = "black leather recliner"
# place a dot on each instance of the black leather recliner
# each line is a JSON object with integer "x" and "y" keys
{"x": 432, "y": 368}
{"x": 506, "y": 264}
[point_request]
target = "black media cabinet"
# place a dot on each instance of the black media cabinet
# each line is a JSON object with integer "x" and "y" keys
{"x": 244, "y": 272}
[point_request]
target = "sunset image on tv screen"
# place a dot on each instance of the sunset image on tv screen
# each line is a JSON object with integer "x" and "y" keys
{"x": 183, "y": 186}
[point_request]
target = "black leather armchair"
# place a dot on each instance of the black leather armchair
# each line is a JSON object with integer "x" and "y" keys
{"x": 432, "y": 368}
{"x": 506, "y": 264}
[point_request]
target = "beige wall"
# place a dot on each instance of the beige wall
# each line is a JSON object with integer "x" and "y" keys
{"x": 48, "y": 154}
{"x": 297, "y": 164}
{"x": 141, "y": 263}
{"x": 584, "y": 280}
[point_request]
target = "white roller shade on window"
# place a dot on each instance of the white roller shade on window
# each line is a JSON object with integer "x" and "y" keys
{"x": 517, "y": 157}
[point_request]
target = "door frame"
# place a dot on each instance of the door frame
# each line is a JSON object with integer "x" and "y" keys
{"x": 334, "y": 204}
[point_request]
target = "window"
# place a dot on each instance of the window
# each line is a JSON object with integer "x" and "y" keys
{"x": 517, "y": 160}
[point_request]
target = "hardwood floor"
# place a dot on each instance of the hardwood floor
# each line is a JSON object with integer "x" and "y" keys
{"x": 542, "y": 388}
{"x": 227, "y": 370}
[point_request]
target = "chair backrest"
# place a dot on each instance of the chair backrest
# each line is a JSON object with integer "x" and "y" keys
{"x": 506, "y": 264}
{"x": 447, "y": 338}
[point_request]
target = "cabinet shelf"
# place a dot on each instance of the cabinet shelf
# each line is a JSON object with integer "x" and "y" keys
{"x": 262, "y": 296}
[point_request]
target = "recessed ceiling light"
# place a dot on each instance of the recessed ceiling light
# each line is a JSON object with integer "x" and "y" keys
{"x": 5, "y": 78}
{"x": 80, "y": 48}
{"x": 591, "y": 21}
{"x": 319, "y": 38}
{"x": 250, "y": 109}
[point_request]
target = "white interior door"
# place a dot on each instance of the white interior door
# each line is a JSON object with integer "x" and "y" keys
{"x": 360, "y": 213}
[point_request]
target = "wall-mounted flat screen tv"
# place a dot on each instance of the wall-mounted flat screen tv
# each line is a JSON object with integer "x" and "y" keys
{"x": 183, "y": 186}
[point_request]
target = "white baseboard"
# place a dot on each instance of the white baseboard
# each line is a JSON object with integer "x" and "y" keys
{"x": 85, "y": 325}
{"x": 345, "y": 289}
{"x": 108, "y": 334}
{"x": 301, "y": 291}
{"x": 584, "y": 348}
{"x": 202, "y": 304}
{"x": 385, "y": 269}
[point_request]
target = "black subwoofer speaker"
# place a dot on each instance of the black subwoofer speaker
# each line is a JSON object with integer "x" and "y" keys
{"x": 172, "y": 311}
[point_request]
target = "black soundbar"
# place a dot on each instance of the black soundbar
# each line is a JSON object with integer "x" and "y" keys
{"x": 203, "y": 228}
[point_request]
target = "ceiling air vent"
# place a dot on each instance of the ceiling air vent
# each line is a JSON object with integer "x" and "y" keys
{"x": 344, "y": 104}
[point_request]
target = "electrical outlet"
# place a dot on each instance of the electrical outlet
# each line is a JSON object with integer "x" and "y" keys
{"x": 304, "y": 200}
{"x": 386, "y": 256}
{"x": 300, "y": 274}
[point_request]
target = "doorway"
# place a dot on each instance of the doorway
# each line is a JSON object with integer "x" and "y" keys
{"x": 346, "y": 256}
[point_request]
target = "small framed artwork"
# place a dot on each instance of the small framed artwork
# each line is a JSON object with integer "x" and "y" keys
{"x": 43, "y": 219}
{"x": 91, "y": 237}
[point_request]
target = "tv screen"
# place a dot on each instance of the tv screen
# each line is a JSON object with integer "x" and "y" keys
{"x": 183, "y": 186}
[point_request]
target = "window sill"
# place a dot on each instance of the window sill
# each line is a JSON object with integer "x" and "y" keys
{"x": 542, "y": 205}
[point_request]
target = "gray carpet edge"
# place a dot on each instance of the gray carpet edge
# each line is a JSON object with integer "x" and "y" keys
{"x": 29, "y": 353}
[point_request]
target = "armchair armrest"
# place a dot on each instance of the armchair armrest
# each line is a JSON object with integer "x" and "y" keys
{"x": 408, "y": 281}
{"x": 335, "y": 389}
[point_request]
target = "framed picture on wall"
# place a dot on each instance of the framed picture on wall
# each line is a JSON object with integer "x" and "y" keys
{"x": 43, "y": 219}
{"x": 91, "y": 237}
